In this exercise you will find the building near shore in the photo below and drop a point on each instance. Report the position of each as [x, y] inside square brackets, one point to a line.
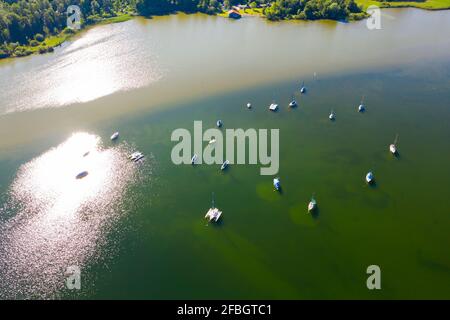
[234, 14]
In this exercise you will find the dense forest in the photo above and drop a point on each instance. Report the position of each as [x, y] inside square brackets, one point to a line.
[26, 25]
[314, 9]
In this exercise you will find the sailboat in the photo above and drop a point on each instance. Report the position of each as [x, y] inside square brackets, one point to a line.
[276, 184]
[115, 136]
[370, 178]
[213, 213]
[332, 115]
[136, 156]
[303, 88]
[249, 105]
[362, 107]
[393, 146]
[225, 165]
[273, 107]
[312, 205]
[194, 159]
[293, 103]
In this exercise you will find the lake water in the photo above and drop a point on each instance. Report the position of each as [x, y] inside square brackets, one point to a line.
[137, 231]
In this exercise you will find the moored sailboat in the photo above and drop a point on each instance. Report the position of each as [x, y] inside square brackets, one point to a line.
[370, 177]
[277, 184]
[213, 213]
[393, 146]
[312, 205]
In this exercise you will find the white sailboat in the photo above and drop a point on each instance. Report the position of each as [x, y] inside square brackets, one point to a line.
[303, 88]
[277, 184]
[249, 105]
[115, 136]
[362, 107]
[370, 178]
[194, 159]
[312, 205]
[213, 213]
[293, 103]
[393, 146]
[136, 156]
[273, 107]
[332, 115]
[225, 165]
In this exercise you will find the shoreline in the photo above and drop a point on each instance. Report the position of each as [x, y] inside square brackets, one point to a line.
[50, 43]
[424, 5]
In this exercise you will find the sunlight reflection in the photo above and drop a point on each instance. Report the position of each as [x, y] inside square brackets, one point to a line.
[61, 220]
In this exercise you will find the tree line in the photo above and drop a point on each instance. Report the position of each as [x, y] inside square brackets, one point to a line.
[27, 23]
[314, 10]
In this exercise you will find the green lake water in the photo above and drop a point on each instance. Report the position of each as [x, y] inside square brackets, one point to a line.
[137, 231]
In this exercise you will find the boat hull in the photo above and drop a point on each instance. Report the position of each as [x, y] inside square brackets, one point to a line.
[115, 136]
[277, 184]
[370, 178]
[393, 149]
[213, 214]
[273, 107]
[224, 165]
[81, 175]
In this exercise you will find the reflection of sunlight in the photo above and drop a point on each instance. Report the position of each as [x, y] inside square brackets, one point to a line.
[61, 220]
[103, 61]
[53, 175]
[99, 64]
[88, 80]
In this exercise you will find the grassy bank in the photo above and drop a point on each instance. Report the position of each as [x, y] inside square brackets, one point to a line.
[428, 4]
[116, 19]
[49, 43]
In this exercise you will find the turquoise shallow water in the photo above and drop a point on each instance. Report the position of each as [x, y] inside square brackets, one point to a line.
[137, 231]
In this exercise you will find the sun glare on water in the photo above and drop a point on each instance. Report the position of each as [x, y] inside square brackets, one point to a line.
[61, 220]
